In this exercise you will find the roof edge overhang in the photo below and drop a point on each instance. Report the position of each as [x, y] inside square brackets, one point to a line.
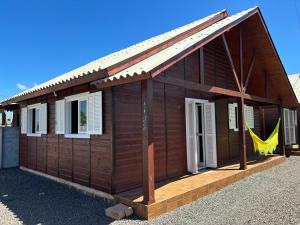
[122, 65]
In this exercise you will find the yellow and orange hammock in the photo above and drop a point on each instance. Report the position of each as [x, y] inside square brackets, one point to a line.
[268, 146]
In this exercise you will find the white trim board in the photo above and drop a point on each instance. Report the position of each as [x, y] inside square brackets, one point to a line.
[85, 190]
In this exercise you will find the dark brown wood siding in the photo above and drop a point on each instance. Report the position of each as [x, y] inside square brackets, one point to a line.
[83, 161]
[169, 119]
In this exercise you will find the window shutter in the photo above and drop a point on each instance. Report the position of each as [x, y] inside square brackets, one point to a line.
[95, 113]
[191, 145]
[210, 135]
[286, 126]
[292, 127]
[24, 120]
[60, 117]
[91, 106]
[250, 116]
[231, 116]
[43, 118]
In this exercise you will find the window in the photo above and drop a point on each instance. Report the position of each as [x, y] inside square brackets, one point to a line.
[290, 123]
[233, 116]
[249, 116]
[34, 120]
[83, 116]
[79, 115]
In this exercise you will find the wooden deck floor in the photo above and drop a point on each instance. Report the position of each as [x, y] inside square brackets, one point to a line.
[174, 193]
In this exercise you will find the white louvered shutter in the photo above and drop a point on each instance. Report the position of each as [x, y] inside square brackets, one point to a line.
[232, 116]
[286, 126]
[191, 145]
[23, 120]
[210, 135]
[250, 116]
[292, 127]
[95, 113]
[43, 118]
[60, 117]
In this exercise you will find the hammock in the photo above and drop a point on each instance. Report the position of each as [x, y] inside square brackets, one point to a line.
[268, 146]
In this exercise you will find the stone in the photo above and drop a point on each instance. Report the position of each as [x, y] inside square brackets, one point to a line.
[119, 211]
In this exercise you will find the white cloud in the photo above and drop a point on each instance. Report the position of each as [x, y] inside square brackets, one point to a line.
[35, 84]
[22, 87]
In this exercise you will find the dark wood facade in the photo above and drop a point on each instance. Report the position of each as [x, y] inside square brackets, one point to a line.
[84, 161]
[88, 161]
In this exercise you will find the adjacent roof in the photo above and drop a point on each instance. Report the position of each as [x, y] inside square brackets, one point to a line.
[144, 66]
[295, 82]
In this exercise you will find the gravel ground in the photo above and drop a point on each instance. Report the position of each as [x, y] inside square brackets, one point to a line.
[29, 199]
[270, 197]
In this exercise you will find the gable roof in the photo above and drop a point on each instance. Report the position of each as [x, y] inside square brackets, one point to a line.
[145, 65]
[143, 60]
[295, 82]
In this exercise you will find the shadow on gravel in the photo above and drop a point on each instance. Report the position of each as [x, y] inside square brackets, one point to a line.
[36, 200]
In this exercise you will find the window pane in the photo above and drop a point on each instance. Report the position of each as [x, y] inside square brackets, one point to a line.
[83, 116]
[37, 120]
[32, 121]
[74, 117]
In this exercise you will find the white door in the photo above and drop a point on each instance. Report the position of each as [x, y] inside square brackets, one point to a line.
[200, 141]
[200, 135]
[210, 134]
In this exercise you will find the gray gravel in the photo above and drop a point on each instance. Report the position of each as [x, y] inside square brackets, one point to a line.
[270, 197]
[29, 199]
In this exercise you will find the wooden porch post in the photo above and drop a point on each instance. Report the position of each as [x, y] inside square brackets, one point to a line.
[241, 113]
[242, 135]
[148, 145]
[281, 131]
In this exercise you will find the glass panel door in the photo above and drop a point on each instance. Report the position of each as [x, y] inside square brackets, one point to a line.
[200, 136]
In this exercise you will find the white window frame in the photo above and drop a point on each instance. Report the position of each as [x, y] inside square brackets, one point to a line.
[78, 97]
[236, 116]
[29, 126]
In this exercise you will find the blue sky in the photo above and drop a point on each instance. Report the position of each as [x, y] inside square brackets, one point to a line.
[43, 39]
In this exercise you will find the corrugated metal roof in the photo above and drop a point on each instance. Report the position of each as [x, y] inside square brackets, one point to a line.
[295, 82]
[154, 61]
[115, 57]
[146, 65]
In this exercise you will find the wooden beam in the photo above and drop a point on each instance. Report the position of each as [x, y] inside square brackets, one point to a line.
[202, 65]
[281, 131]
[112, 139]
[241, 56]
[242, 135]
[262, 122]
[231, 62]
[213, 89]
[249, 74]
[99, 84]
[148, 143]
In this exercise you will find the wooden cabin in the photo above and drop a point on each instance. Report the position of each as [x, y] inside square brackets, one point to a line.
[163, 108]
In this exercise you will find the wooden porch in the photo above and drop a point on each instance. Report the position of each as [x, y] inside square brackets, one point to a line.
[171, 194]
